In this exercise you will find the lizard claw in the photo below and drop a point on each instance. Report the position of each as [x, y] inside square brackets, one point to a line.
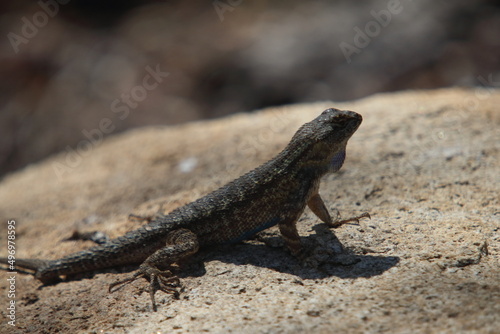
[146, 218]
[158, 280]
[122, 283]
[139, 218]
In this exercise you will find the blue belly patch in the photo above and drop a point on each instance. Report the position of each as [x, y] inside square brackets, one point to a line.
[337, 161]
[248, 234]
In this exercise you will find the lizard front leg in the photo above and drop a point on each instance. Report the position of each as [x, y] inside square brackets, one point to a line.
[317, 206]
[180, 244]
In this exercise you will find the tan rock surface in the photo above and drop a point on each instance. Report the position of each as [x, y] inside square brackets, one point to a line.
[424, 164]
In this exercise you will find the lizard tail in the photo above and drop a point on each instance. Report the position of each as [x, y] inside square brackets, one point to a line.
[30, 264]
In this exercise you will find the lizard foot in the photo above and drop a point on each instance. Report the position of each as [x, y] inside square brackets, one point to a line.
[146, 218]
[356, 219]
[158, 280]
[137, 218]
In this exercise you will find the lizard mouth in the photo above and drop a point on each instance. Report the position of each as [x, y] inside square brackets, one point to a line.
[349, 118]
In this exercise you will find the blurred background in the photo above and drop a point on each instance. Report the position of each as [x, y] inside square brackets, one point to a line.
[76, 71]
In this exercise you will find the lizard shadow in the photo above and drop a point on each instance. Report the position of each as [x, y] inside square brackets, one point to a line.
[325, 257]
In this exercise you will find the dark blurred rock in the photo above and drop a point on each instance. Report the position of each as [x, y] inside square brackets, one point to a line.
[67, 76]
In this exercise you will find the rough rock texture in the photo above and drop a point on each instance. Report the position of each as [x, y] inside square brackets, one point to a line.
[424, 164]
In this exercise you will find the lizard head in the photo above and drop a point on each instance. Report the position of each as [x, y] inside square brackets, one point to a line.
[323, 140]
[334, 125]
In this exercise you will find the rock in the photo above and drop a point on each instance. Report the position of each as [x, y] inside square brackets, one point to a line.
[423, 163]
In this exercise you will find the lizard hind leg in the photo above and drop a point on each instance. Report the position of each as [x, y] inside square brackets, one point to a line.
[181, 243]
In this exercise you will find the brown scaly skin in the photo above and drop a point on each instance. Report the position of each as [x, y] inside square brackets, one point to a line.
[275, 193]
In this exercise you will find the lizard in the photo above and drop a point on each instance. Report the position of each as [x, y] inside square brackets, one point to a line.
[275, 193]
